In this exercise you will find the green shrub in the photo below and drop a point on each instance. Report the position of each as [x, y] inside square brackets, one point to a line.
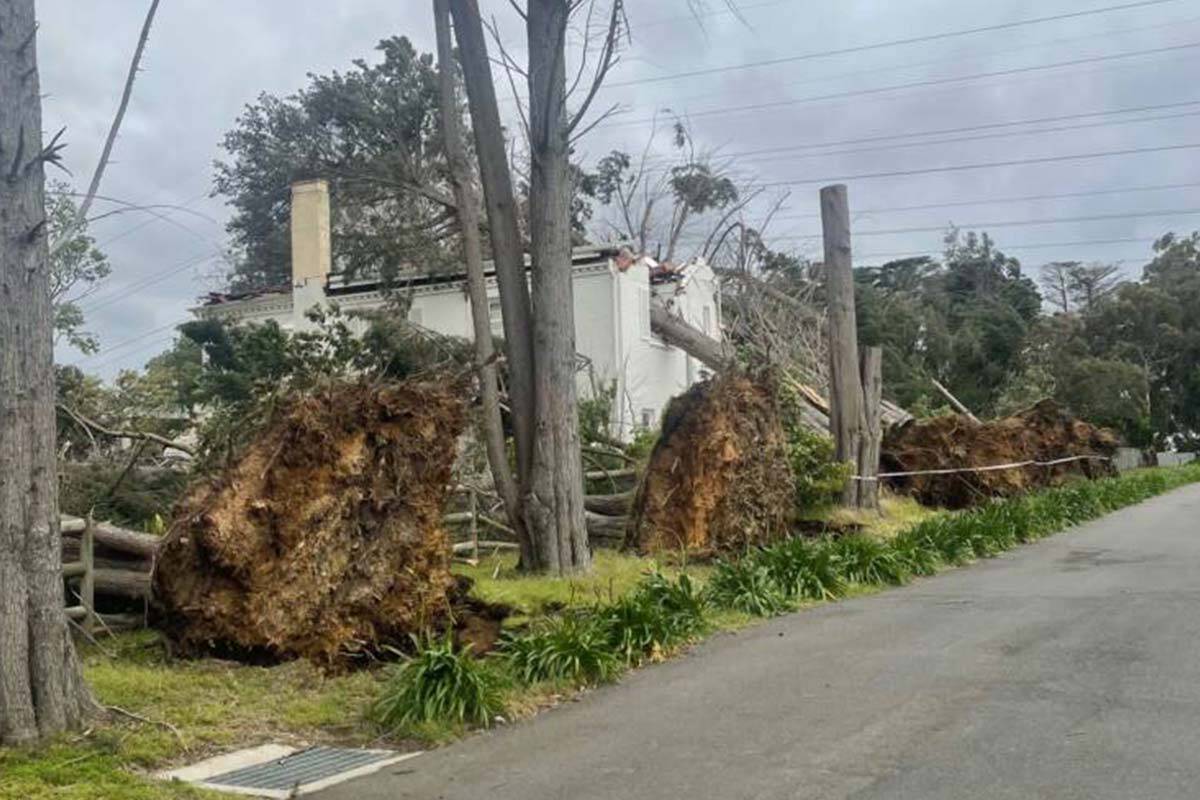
[917, 552]
[867, 560]
[440, 684]
[652, 619]
[818, 476]
[803, 568]
[747, 586]
[574, 647]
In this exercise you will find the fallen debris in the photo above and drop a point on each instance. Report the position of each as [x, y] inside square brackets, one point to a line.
[324, 539]
[718, 479]
[1042, 433]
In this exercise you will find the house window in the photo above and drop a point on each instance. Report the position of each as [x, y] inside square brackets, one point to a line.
[495, 316]
[415, 316]
[708, 320]
[648, 418]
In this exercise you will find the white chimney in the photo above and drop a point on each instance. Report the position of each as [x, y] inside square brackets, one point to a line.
[312, 256]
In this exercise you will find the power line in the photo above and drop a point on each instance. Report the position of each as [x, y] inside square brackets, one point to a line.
[133, 340]
[890, 43]
[893, 68]
[1038, 246]
[137, 287]
[983, 165]
[1003, 200]
[1017, 223]
[916, 84]
[961, 129]
[153, 343]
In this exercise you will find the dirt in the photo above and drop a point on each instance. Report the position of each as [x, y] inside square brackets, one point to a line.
[1043, 432]
[324, 539]
[718, 480]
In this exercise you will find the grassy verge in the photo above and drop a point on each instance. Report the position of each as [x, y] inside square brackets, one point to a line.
[569, 634]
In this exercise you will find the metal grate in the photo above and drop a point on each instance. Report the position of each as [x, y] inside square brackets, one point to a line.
[305, 767]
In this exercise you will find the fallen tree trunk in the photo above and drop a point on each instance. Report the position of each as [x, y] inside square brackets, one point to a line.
[612, 505]
[606, 530]
[690, 339]
[133, 584]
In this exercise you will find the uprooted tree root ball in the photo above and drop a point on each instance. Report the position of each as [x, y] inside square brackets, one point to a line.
[718, 479]
[1043, 432]
[323, 539]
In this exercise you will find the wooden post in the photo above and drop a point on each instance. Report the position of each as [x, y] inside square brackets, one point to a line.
[87, 586]
[474, 524]
[872, 440]
[845, 384]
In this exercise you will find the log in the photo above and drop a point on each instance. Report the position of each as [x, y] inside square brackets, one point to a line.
[121, 540]
[606, 530]
[123, 583]
[612, 505]
[954, 401]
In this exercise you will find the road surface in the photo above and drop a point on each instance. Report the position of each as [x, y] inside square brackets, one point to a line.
[1065, 669]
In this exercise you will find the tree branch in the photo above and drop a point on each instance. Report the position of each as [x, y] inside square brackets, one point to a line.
[81, 213]
[90, 424]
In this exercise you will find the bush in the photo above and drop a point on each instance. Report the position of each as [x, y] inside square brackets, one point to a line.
[803, 568]
[440, 684]
[817, 475]
[659, 615]
[747, 586]
[867, 560]
[574, 647]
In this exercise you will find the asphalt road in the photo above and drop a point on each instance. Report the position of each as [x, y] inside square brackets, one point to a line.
[1065, 669]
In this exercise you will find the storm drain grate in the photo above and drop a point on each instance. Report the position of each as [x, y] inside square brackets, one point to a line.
[276, 771]
[304, 767]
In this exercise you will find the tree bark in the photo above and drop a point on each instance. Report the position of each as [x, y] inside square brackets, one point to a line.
[714, 354]
[41, 688]
[508, 252]
[491, 422]
[845, 385]
[554, 504]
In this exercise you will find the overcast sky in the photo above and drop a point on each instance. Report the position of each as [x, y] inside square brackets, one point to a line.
[208, 58]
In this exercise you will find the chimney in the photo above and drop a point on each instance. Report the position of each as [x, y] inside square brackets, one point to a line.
[311, 252]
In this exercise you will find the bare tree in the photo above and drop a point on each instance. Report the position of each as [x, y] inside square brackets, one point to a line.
[467, 205]
[1091, 283]
[1056, 281]
[41, 687]
[552, 479]
[68, 233]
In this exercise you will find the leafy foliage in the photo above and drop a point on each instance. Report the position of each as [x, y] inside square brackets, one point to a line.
[440, 684]
[804, 568]
[574, 647]
[660, 614]
[748, 586]
[75, 267]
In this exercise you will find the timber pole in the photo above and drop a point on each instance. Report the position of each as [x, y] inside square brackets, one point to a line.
[872, 440]
[845, 385]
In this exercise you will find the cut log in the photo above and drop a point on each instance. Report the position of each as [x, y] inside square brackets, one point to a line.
[612, 505]
[121, 540]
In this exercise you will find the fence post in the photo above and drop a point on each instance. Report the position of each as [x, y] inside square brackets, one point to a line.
[872, 442]
[845, 383]
[87, 585]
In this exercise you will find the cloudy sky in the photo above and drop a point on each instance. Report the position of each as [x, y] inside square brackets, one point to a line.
[1113, 82]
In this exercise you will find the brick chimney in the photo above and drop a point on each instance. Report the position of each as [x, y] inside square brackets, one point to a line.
[312, 256]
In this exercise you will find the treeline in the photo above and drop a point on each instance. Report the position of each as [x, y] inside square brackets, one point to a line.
[1120, 352]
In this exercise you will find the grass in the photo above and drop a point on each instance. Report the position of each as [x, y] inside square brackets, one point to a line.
[215, 706]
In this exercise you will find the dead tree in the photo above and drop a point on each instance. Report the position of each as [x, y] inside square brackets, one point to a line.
[467, 202]
[41, 687]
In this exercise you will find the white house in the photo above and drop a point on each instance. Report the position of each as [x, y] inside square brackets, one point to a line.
[612, 293]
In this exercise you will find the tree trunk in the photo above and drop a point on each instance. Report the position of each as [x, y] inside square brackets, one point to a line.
[845, 385]
[507, 250]
[554, 505]
[714, 354]
[491, 423]
[41, 687]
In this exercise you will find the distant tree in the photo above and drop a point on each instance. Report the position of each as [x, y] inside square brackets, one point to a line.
[1091, 283]
[76, 264]
[1057, 282]
[372, 131]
